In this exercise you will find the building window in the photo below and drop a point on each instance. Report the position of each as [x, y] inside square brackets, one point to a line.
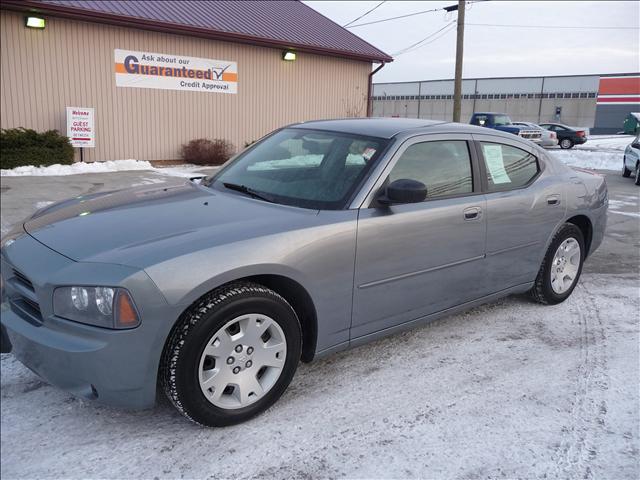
[483, 96]
[592, 95]
[504, 95]
[552, 95]
[575, 95]
[583, 95]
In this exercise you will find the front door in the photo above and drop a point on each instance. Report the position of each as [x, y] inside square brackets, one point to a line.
[420, 258]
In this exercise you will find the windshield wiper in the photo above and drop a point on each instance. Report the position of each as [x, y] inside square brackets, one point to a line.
[248, 191]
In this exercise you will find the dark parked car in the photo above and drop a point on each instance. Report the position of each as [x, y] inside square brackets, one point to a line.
[567, 136]
[321, 236]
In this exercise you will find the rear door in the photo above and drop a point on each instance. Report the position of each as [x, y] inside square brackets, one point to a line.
[524, 205]
[420, 258]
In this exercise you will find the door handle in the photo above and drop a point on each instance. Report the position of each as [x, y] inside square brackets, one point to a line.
[553, 199]
[472, 213]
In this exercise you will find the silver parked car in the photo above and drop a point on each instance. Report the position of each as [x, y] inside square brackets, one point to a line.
[547, 137]
[321, 236]
[631, 160]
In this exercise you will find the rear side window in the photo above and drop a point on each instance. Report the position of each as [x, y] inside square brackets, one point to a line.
[508, 167]
[444, 167]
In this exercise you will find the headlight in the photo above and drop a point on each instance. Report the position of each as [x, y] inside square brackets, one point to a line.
[101, 306]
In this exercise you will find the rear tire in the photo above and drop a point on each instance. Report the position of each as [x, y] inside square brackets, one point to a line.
[566, 143]
[626, 173]
[216, 367]
[561, 266]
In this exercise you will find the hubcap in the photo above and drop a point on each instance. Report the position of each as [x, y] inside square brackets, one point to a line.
[242, 361]
[565, 265]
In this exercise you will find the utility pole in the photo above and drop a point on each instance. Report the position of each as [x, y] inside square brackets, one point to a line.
[457, 91]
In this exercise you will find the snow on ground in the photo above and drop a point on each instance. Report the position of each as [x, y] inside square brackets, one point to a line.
[601, 152]
[589, 159]
[508, 390]
[99, 167]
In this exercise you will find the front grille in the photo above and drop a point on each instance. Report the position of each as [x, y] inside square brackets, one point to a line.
[22, 279]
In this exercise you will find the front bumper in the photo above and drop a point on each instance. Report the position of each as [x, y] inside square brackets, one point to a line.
[116, 367]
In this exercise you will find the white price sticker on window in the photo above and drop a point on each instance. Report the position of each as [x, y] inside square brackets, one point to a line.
[495, 164]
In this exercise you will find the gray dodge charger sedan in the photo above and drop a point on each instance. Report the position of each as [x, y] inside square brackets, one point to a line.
[321, 236]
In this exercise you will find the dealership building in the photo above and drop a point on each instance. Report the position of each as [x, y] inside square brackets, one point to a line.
[598, 102]
[145, 77]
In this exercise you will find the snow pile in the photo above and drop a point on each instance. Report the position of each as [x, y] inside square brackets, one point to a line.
[597, 160]
[607, 142]
[93, 167]
[601, 152]
[103, 167]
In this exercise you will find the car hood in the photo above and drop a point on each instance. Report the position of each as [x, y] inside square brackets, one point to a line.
[142, 226]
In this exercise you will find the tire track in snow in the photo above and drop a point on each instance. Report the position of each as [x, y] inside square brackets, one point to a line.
[579, 446]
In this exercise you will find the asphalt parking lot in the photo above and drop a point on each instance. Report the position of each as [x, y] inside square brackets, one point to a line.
[510, 389]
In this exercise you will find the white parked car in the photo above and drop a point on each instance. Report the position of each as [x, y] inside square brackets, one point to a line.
[547, 137]
[631, 160]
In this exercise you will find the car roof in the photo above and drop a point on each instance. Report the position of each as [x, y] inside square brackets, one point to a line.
[390, 127]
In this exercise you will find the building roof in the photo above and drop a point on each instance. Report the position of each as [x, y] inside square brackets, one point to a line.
[280, 24]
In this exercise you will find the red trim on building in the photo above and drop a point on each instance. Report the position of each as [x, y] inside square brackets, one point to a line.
[617, 86]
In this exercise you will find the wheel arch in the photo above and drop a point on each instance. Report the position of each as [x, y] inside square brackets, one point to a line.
[586, 227]
[289, 289]
[298, 297]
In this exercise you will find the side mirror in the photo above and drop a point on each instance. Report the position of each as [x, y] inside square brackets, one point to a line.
[635, 145]
[404, 190]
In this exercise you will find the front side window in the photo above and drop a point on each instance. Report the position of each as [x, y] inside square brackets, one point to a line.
[305, 168]
[443, 166]
[508, 167]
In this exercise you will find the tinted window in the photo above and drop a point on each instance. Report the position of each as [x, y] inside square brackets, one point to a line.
[444, 167]
[508, 167]
[305, 168]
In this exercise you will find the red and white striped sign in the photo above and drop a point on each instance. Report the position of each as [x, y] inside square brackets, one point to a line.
[619, 90]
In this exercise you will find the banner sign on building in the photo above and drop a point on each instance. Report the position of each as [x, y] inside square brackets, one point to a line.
[80, 127]
[174, 72]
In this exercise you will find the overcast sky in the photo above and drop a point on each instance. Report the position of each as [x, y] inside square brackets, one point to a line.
[499, 51]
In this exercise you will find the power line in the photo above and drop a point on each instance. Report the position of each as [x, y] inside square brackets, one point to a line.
[407, 15]
[395, 18]
[364, 14]
[416, 45]
[550, 26]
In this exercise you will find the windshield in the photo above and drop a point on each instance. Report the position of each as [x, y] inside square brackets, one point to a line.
[305, 168]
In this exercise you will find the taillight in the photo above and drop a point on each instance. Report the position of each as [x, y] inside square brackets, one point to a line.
[580, 133]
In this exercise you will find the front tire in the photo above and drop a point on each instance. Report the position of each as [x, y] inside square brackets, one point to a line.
[566, 143]
[561, 267]
[626, 173]
[637, 177]
[231, 355]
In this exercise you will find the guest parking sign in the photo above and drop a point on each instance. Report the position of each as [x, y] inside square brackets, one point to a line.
[80, 127]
